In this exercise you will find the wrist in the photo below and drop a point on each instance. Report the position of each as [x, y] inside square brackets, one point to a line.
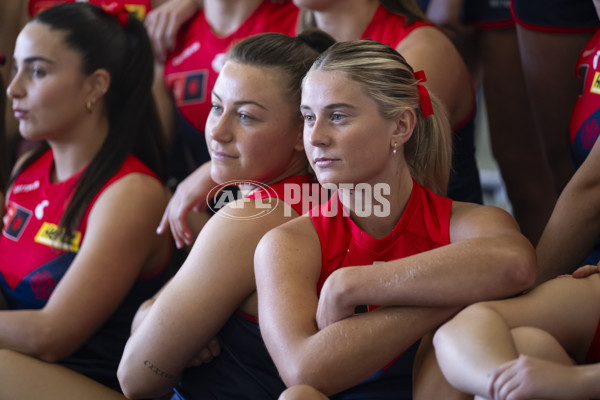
[343, 288]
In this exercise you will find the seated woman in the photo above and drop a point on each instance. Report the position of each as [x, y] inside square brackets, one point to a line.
[542, 345]
[254, 133]
[373, 131]
[545, 344]
[78, 251]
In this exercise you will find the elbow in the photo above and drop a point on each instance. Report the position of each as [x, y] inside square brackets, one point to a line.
[136, 384]
[132, 387]
[521, 269]
[51, 346]
[295, 374]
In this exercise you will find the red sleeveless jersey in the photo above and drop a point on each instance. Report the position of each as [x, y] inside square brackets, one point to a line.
[33, 254]
[139, 7]
[389, 28]
[192, 69]
[424, 225]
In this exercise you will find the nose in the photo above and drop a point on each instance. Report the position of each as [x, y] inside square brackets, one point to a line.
[316, 134]
[218, 127]
[15, 89]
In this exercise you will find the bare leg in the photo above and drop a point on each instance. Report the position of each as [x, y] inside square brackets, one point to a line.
[553, 88]
[24, 377]
[302, 392]
[428, 380]
[517, 148]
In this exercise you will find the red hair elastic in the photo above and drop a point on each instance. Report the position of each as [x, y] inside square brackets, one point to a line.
[118, 11]
[2, 59]
[424, 97]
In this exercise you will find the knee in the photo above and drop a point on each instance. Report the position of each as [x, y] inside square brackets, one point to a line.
[538, 343]
[302, 392]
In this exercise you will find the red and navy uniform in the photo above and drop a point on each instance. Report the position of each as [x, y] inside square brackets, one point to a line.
[424, 225]
[585, 118]
[139, 7]
[35, 255]
[244, 369]
[556, 16]
[465, 185]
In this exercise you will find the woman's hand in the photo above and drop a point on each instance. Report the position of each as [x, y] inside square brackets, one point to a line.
[163, 23]
[533, 378]
[207, 354]
[191, 194]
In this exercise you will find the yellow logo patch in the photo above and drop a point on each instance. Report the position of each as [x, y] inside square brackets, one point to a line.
[138, 9]
[596, 84]
[54, 236]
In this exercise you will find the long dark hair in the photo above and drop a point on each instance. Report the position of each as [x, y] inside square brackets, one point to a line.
[134, 128]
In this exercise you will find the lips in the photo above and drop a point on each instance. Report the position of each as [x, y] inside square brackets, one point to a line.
[323, 162]
[20, 113]
[218, 155]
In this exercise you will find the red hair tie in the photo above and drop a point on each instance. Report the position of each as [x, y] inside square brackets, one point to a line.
[424, 97]
[118, 11]
[2, 59]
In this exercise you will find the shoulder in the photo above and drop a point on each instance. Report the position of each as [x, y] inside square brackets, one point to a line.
[431, 43]
[298, 235]
[138, 194]
[245, 221]
[429, 34]
[474, 220]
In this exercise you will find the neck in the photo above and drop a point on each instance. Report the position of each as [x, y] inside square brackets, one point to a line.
[226, 16]
[346, 21]
[378, 209]
[78, 149]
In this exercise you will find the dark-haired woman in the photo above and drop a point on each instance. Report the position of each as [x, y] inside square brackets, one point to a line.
[78, 251]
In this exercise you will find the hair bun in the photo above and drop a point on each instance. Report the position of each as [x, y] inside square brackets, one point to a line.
[316, 39]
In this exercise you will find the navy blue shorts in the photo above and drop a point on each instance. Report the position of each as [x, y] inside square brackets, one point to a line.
[485, 14]
[488, 14]
[558, 16]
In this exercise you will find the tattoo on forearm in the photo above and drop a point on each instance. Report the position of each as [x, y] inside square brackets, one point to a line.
[157, 371]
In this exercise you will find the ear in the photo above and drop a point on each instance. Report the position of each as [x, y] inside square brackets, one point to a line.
[299, 143]
[98, 83]
[405, 125]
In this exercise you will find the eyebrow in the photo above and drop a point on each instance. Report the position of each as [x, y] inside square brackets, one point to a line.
[33, 59]
[330, 106]
[242, 102]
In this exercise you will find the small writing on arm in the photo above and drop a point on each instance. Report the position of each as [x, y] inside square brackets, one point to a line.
[157, 371]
